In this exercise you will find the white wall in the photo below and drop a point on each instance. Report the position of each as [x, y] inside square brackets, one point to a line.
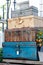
[1, 38]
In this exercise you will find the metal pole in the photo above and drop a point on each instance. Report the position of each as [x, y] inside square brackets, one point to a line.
[7, 12]
[3, 11]
[2, 27]
[3, 18]
[7, 9]
[14, 4]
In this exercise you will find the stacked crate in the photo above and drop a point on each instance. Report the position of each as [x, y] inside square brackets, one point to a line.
[19, 36]
[22, 34]
[19, 44]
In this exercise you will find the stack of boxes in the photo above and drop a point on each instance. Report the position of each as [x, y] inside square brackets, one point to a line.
[24, 10]
[20, 38]
[20, 44]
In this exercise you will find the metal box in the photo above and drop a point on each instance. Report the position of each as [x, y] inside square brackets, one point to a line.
[25, 12]
[24, 50]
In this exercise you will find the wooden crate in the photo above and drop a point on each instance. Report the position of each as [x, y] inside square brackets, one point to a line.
[22, 34]
[26, 21]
